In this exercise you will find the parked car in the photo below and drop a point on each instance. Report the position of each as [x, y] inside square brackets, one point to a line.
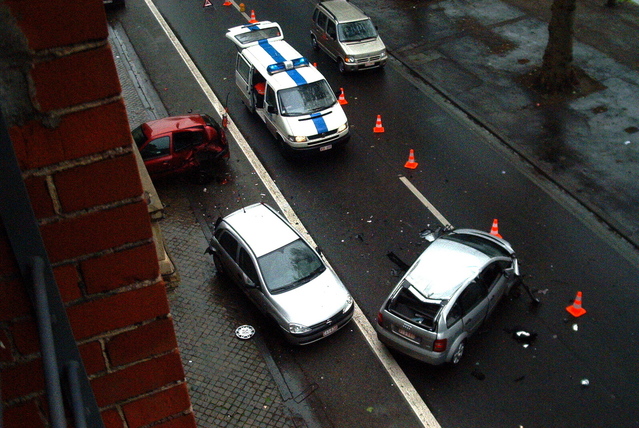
[443, 298]
[281, 273]
[347, 35]
[181, 144]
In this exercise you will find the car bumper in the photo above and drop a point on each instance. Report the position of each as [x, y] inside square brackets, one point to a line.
[364, 65]
[397, 343]
[315, 335]
[322, 146]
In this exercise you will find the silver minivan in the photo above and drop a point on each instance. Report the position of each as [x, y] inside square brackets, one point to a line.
[281, 273]
[445, 296]
[347, 35]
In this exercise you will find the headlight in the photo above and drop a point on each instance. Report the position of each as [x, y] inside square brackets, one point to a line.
[298, 328]
[348, 304]
[342, 128]
[383, 55]
[297, 138]
[349, 59]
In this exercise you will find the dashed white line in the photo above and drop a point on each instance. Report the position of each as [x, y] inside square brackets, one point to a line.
[424, 201]
[399, 378]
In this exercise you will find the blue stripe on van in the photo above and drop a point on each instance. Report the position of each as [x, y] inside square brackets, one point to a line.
[297, 78]
[320, 123]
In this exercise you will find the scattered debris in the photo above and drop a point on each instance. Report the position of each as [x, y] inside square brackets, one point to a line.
[585, 383]
[575, 327]
[524, 337]
[244, 332]
[478, 375]
[520, 378]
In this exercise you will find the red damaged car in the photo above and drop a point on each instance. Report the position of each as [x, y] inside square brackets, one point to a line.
[181, 144]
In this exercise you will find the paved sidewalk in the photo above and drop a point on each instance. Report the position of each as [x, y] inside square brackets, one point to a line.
[476, 54]
[230, 383]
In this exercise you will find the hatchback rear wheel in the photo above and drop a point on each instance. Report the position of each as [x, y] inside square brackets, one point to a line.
[219, 267]
[459, 352]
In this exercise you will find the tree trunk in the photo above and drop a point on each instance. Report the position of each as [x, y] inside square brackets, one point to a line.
[557, 74]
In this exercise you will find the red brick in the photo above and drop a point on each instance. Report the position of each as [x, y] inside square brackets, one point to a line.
[138, 379]
[99, 183]
[75, 79]
[53, 23]
[68, 280]
[96, 231]
[6, 355]
[25, 337]
[157, 406]
[118, 311]
[112, 419]
[155, 338]
[39, 195]
[15, 300]
[8, 264]
[185, 421]
[78, 134]
[115, 270]
[21, 379]
[25, 415]
[92, 357]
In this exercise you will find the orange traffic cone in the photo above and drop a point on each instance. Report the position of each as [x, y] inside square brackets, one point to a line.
[207, 3]
[494, 230]
[378, 125]
[575, 309]
[342, 98]
[252, 20]
[411, 164]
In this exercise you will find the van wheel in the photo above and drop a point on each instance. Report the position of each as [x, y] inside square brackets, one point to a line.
[341, 66]
[459, 352]
[314, 44]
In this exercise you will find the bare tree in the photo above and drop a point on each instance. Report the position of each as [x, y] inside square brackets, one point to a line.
[557, 73]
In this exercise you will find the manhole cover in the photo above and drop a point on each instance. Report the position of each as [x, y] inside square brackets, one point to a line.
[244, 332]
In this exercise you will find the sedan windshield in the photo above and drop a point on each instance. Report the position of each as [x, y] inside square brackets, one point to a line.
[356, 31]
[306, 99]
[290, 266]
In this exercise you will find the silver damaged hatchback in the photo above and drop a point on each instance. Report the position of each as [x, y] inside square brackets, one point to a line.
[448, 292]
[281, 273]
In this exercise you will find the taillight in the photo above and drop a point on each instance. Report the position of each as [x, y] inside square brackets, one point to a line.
[380, 319]
[440, 345]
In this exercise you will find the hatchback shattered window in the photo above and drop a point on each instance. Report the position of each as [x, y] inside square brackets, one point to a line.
[408, 306]
[290, 266]
[306, 99]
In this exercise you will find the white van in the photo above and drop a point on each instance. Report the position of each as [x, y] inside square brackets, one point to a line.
[286, 91]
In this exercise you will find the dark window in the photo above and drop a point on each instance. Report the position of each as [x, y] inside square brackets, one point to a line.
[331, 30]
[492, 273]
[156, 148]
[247, 266]
[243, 68]
[187, 140]
[228, 243]
[321, 20]
[471, 296]
[315, 15]
[454, 315]
[270, 97]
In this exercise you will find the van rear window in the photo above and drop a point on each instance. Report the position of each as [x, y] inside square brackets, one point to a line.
[254, 36]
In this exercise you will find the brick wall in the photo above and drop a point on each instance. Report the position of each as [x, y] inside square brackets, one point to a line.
[68, 125]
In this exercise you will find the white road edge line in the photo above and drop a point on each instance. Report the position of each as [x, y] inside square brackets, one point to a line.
[425, 201]
[406, 388]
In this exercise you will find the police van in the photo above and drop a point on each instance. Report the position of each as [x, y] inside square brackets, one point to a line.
[287, 92]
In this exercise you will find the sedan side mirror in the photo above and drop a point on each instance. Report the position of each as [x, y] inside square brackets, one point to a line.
[271, 109]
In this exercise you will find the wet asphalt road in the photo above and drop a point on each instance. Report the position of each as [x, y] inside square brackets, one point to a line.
[357, 209]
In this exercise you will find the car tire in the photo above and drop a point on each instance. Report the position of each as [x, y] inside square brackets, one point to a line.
[219, 267]
[341, 66]
[314, 44]
[458, 353]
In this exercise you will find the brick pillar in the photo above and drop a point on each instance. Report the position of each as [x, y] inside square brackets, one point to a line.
[69, 128]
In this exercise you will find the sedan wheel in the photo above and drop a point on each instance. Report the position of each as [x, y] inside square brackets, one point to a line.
[459, 352]
[314, 44]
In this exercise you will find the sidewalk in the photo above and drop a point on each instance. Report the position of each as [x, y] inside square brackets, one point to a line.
[230, 383]
[476, 52]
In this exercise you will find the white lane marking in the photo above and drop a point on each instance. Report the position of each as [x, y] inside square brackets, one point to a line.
[425, 201]
[399, 378]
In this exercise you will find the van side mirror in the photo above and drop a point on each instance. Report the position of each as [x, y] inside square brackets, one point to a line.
[272, 109]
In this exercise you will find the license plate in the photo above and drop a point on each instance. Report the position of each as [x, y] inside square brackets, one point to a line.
[330, 330]
[406, 333]
[326, 147]
[369, 64]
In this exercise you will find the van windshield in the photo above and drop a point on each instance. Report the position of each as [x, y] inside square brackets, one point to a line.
[356, 31]
[306, 99]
